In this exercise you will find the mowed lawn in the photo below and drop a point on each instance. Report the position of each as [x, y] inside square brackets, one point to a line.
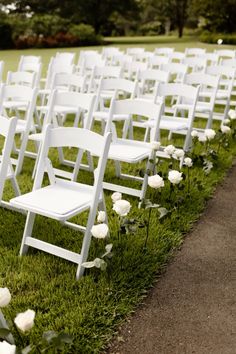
[91, 309]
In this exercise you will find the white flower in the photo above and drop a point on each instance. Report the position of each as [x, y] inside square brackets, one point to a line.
[170, 149]
[100, 231]
[225, 129]
[188, 162]
[25, 320]
[175, 177]
[156, 181]
[194, 134]
[5, 297]
[220, 41]
[226, 121]
[232, 114]
[155, 145]
[116, 196]
[210, 134]
[122, 207]
[101, 216]
[6, 348]
[178, 154]
[202, 138]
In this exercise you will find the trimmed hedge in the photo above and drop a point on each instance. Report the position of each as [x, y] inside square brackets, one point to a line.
[209, 37]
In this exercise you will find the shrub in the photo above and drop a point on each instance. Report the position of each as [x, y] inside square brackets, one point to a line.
[84, 34]
[208, 37]
[5, 36]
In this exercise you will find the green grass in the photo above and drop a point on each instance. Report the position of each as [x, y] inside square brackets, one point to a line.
[92, 308]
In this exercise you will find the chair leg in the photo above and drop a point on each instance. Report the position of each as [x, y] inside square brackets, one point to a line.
[117, 168]
[27, 232]
[15, 186]
[21, 154]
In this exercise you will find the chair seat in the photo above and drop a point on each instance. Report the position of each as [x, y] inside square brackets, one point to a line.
[59, 109]
[15, 104]
[129, 151]
[21, 126]
[60, 201]
[173, 123]
[103, 115]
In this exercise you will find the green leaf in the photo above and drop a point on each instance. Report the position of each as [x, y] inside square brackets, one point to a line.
[163, 212]
[4, 332]
[49, 336]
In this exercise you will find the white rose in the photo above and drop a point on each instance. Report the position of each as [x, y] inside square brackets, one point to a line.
[25, 320]
[101, 216]
[202, 138]
[6, 348]
[122, 207]
[156, 181]
[210, 134]
[225, 129]
[178, 154]
[232, 114]
[155, 145]
[194, 134]
[220, 41]
[226, 121]
[116, 196]
[5, 297]
[100, 231]
[170, 149]
[175, 177]
[188, 162]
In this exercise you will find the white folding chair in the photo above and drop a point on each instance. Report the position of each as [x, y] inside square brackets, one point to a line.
[196, 64]
[194, 52]
[176, 57]
[21, 78]
[156, 61]
[207, 95]
[68, 58]
[223, 95]
[131, 69]
[176, 70]
[148, 80]
[131, 151]
[226, 53]
[31, 64]
[67, 102]
[16, 98]
[212, 58]
[134, 50]
[115, 88]
[186, 99]
[61, 200]
[99, 72]
[166, 51]
[7, 131]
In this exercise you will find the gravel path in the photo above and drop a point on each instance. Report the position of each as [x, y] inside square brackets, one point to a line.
[192, 308]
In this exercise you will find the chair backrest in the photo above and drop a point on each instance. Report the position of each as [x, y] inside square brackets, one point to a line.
[163, 51]
[134, 50]
[228, 62]
[194, 51]
[71, 82]
[195, 63]
[21, 78]
[109, 52]
[224, 71]
[84, 140]
[77, 100]
[176, 57]
[28, 60]
[130, 107]
[33, 67]
[156, 61]
[121, 59]
[143, 57]
[212, 58]
[67, 57]
[103, 72]
[226, 53]
[149, 78]
[208, 83]
[133, 67]
[57, 66]
[82, 53]
[89, 61]
[176, 70]
[116, 86]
